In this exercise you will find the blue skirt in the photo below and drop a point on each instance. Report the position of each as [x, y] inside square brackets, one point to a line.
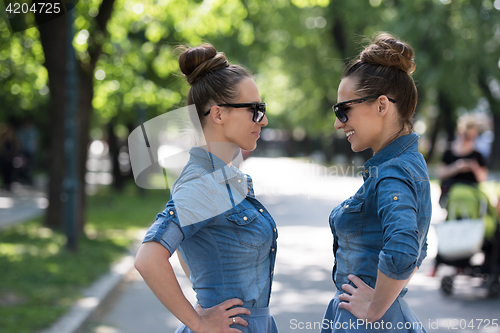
[259, 321]
[399, 318]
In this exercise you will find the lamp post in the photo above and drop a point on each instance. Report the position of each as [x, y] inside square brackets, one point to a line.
[71, 184]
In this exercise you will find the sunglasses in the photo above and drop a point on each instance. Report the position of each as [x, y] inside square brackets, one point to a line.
[342, 108]
[259, 109]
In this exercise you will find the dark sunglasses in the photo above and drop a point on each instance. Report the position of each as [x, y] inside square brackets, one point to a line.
[341, 109]
[259, 109]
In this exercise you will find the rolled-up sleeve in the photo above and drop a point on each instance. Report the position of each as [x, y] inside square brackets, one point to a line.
[166, 230]
[397, 204]
[423, 254]
[190, 208]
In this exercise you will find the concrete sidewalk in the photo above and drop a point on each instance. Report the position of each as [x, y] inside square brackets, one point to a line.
[21, 204]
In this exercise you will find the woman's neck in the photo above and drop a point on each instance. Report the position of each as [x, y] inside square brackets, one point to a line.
[223, 150]
[219, 146]
[401, 132]
[462, 147]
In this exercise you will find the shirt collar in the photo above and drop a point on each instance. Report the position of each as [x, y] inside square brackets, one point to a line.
[392, 150]
[210, 162]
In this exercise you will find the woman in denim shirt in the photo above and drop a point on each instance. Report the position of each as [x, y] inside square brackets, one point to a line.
[379, 233]
[225, 236]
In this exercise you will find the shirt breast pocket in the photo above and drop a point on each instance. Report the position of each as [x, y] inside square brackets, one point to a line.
[249, 227]
[349, 221]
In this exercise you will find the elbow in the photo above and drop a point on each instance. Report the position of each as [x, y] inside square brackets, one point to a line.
[140, 263]
[397, 267]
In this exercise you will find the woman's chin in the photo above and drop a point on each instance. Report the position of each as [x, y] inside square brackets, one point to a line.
[249, 146]
[357, 148]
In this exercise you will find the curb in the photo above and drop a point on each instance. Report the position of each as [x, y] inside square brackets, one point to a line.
[95, 295]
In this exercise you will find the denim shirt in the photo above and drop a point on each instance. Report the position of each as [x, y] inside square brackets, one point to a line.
[226, 236]
[384, 225]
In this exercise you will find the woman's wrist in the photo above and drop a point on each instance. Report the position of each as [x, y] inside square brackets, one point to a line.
[197, 327]
[373, 314]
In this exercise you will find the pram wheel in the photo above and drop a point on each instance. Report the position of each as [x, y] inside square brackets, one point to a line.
[447, 285]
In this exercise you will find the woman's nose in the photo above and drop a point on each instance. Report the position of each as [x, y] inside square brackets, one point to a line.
[338, 125]
[264, 121]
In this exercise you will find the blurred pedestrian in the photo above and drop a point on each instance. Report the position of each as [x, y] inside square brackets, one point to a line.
[462, 163]
[226, 238]
[380, 233]
[8, 151]
[27, 136]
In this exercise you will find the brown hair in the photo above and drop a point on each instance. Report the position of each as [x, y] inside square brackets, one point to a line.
[384, 68]
[213, 80]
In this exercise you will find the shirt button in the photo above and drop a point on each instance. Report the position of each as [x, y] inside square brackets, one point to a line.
[346, 206]
[366, 171]
[395, 198]
[272, 250]
[261, 210]
[274, 229]
[272, 272]
[239, 180]
[171, 213]
[245, 218]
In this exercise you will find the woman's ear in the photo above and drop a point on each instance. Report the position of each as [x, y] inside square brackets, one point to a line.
[216, 114]
[383, 105]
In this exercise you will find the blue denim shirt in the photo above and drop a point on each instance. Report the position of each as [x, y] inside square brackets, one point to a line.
[226, 236]
[384, 225]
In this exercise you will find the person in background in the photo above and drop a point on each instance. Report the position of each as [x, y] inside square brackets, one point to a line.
[462, 163]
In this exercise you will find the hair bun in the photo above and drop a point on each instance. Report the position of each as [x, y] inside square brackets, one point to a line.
[388, 51]
[198, 61]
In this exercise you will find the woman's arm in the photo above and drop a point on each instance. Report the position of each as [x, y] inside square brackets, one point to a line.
[152, 262]
[371, 304]
[481, 172]
[184, 266]
[447, 171]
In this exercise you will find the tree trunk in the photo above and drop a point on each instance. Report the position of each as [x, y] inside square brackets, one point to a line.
[86, 95]
[114, 151]
[53, 39]
[494, 161]
[445, 119]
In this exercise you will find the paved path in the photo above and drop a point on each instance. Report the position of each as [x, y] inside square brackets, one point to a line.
[21, 204]
[300, 196]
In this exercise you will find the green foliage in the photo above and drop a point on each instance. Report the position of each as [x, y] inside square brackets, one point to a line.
[296, 48]
[23, 80]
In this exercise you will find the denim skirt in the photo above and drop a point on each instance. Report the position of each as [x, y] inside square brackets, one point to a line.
[399, 318]
[259, 321]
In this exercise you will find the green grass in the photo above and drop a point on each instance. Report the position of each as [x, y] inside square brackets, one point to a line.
[40, 279]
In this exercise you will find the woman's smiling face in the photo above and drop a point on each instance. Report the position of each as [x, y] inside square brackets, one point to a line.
[363, 127]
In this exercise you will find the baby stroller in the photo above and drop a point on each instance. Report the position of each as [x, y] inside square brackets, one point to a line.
[471, 226]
